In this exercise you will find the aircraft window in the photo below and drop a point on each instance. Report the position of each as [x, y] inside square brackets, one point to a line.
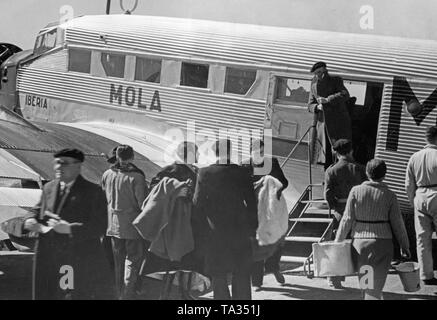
[194, 75]
[239, 81]
[45, 42]
[148, 70]
[113, 64]
[356, 89]
[292, 91]
[79, 60]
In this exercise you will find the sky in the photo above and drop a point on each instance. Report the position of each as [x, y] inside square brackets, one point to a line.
[20, 20]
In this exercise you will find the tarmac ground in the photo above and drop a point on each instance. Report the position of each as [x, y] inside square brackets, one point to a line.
[16, 270]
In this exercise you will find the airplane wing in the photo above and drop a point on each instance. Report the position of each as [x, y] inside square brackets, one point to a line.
[34, 146]
[159, 148]
[26, 157]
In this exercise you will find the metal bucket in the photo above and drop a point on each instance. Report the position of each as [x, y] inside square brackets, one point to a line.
[409, 274]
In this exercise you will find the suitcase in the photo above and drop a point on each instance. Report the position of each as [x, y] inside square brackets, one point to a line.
[333, 259]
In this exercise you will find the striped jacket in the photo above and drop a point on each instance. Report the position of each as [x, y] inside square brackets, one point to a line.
[372, 212]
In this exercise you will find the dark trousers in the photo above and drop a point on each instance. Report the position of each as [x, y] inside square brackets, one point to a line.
[241, 288]
[330, 158]
[270, 265]
[129, 255]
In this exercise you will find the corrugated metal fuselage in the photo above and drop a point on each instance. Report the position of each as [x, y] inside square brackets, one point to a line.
[404, 68]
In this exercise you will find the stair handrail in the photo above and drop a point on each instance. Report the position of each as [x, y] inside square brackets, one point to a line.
[295, 147]
[310, 176]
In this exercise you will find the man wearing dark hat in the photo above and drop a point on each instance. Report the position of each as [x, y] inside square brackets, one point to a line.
[225, 198]
[125, 187]
[328, 101]
[70, 219]
[339, 180]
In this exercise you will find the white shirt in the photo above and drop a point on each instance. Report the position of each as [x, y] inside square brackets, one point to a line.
[65, 187]
[421, 171]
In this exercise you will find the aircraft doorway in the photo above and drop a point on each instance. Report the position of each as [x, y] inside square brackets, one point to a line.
[364, 115]
[290, 117]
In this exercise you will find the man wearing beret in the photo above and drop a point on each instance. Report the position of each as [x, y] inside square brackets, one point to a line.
[328, 101]
[70, 219]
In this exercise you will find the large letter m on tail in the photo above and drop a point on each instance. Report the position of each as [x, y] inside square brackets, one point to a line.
[402, 93]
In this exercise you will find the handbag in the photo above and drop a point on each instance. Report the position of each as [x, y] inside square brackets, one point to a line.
[333, 259]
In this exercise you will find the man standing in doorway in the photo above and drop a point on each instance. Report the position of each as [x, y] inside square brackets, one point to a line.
[421, 188]
[328, 101]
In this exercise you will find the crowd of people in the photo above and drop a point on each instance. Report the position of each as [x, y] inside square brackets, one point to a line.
[188, 220]
[212, 220]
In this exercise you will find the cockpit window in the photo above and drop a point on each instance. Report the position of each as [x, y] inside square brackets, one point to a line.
[113, 64]
[46, 41]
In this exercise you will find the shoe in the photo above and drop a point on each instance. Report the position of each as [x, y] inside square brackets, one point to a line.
[430, 282]
[335, 284]
[395, 263]
[279, 277]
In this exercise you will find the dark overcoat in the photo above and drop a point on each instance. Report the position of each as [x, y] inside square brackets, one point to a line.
[225, 198]
[81, 251]
[193, 260]
[334, 119]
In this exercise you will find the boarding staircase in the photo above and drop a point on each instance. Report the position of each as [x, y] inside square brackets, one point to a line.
[310, 220]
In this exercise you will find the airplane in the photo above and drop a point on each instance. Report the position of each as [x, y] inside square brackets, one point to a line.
[153, 81]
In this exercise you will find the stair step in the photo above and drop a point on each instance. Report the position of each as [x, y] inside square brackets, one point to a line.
[15, 253]
[302, 239]
[317, 185]
[314, 215]
[293, 259]
[318, 201]
[312, 210]
[319, 220]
